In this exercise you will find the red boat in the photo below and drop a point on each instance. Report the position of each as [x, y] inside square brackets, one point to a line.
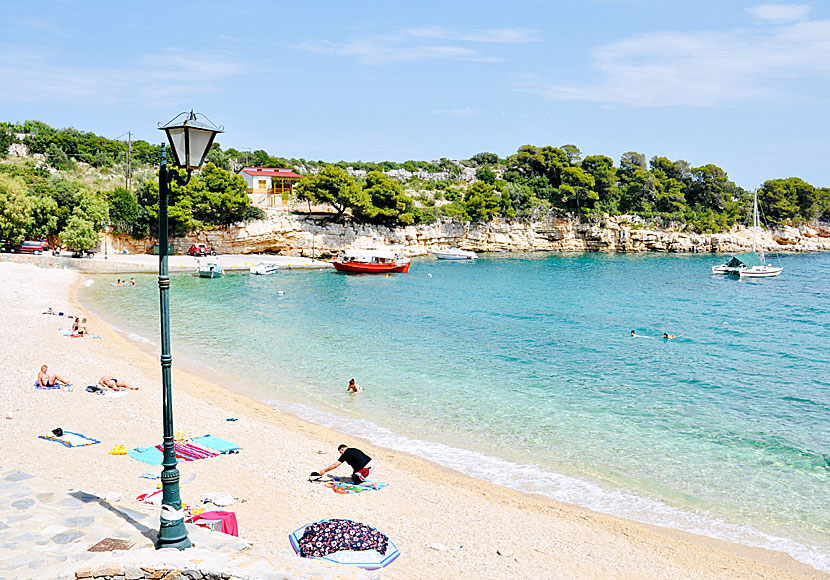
[371, 262]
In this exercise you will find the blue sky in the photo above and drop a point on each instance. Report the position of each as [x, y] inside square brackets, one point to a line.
[743, 85]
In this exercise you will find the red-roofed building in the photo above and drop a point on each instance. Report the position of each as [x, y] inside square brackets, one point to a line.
[270, 187]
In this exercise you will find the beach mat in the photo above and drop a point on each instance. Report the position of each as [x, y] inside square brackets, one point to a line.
[70, 439]
[149, 455]
[188, 452]
[344, 486]
[211, 442]
[39, 386]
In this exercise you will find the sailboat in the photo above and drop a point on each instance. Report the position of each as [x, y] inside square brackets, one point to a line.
[759, 270]
[750, 264]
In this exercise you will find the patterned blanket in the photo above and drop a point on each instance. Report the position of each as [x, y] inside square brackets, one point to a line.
[329, 536]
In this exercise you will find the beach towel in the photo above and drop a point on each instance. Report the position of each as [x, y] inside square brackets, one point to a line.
[71, 334]
[227, 519]
[70, 439]
[211, 442]
[149, 455]
[328, 536]
[188, 452]
[151, 497]
[39, 386]
[344, 488]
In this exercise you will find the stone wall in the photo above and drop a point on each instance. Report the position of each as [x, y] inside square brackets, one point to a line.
[304, 235]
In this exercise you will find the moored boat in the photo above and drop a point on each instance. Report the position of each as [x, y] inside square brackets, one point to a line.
[374, 261]
[210, 270]
[454, 254]
[264, 268]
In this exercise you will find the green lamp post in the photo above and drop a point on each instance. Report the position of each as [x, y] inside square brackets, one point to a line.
[190, 141]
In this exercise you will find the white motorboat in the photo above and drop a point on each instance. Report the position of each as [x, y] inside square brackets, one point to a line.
[454, 254]
[210, 270]
[264, 268]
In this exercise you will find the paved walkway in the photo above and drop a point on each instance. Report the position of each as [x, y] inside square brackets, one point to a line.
[46, 532]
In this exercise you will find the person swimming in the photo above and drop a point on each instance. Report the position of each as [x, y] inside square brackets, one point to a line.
[668, 336]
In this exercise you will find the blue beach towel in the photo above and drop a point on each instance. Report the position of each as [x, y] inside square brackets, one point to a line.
[39, 386]
[71, 439]
[149, 455]
[216, 444]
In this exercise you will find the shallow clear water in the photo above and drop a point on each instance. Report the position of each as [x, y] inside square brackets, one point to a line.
[527, 358]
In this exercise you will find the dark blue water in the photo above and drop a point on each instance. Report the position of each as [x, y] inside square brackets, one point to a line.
[527, 358]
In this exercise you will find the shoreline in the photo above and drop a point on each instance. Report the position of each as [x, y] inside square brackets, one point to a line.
[424, 504]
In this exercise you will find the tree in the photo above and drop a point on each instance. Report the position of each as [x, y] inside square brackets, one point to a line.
[389, 204]
[486, 175]
[710, 188]
[80, 234]
[334, 186]
[577, 186]
[57, 158]
[602, 169]
[124, 210]
[484, 158]
[43, 219]
[779, 198]
[15, 208]
[481, 202]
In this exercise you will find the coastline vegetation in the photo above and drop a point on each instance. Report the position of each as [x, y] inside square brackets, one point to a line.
[70, 187]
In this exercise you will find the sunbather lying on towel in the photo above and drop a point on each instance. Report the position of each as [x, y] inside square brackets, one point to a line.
[115, 384]
[45, 380]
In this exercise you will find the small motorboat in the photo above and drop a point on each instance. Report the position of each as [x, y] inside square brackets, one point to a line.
[454, 254]
[210, 270]
[264, 268]
[374, 261]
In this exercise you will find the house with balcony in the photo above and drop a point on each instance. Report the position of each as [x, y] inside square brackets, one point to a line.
[268, 187]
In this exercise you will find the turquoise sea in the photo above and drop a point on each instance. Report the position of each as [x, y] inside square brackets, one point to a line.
[519, 369]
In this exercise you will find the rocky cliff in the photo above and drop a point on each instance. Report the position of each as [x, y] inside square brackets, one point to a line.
[299, 235]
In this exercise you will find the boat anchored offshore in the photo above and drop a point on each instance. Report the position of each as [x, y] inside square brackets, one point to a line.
[454, 254]
[264, 268]
[752, 264]
[374, 261]
[210, 270]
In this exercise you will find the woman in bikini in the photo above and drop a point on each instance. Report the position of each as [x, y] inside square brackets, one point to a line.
[115, 384]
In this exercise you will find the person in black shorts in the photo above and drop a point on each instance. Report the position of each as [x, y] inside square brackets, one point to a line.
[360, 463]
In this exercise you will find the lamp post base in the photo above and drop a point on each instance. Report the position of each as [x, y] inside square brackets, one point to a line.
[173, 534]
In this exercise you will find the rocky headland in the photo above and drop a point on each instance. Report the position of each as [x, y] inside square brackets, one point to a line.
[309, 235]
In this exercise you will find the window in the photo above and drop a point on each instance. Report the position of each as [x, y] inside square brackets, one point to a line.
[262, 183]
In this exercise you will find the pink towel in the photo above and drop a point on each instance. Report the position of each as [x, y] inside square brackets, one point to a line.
[188, 452]
[228, 521]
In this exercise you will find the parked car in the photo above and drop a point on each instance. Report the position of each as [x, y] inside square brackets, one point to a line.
[201, 250]
[28, 247]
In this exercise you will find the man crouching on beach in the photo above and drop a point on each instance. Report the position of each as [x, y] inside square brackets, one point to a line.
[360, 463]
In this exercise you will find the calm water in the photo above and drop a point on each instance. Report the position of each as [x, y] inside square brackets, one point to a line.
[520, 369]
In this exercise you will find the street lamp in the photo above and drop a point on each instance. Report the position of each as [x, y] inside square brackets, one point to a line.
[190, 140]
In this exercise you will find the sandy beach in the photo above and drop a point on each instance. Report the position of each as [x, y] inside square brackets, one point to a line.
[446, 524]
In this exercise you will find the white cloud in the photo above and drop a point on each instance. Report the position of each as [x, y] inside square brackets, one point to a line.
[701, 68]
[417, 44]
[153, 79]
[780, 13]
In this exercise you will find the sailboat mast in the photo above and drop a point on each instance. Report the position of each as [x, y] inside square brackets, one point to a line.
[754, 220]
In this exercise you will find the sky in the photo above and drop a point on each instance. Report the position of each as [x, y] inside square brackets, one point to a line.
[742, 85]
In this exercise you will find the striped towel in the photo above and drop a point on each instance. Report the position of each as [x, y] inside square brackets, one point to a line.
[188, 452]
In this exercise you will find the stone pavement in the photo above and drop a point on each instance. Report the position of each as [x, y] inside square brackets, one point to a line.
[46, 532]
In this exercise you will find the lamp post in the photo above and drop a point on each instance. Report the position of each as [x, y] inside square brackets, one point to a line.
[190, 141]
